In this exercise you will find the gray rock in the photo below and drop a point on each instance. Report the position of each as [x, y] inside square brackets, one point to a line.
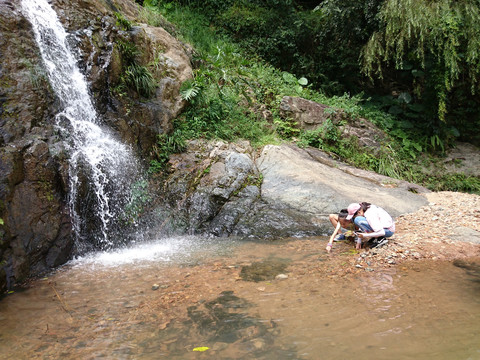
[285, 191]
[294, 178]
[465, 234]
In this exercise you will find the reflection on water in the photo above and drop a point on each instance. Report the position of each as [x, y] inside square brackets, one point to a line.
[103, 306]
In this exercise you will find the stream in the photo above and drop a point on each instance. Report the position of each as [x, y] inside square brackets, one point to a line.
[172, 298]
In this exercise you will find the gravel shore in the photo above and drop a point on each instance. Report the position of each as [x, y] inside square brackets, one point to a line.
[447, 228]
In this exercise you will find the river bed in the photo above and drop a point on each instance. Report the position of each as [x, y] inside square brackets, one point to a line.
[189, 298]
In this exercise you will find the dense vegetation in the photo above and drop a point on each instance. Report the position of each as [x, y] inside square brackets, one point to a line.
[354, 57]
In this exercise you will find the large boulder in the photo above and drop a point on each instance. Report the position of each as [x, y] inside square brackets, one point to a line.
[169, 63]
[310, 115]
[232, 190]
[306, 182]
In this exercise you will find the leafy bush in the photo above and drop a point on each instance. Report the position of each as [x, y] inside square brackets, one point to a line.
[164, 147]
[431, 49]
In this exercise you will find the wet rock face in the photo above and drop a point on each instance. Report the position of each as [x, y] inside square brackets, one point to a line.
[35, 228]
[36, 223]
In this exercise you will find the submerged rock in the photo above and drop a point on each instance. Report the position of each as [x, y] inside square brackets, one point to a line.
[268, 269]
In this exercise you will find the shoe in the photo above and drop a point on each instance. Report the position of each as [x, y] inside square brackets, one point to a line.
[339, 237]
[378, 242]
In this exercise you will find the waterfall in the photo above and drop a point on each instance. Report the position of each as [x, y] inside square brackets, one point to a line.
[101, 169]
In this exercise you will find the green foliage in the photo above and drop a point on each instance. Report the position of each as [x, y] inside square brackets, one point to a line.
[451, 182]
[386, 160]
[123, 22]
[325, 137]
[141, 79]
[434, 45]
[165, 146]
[189, 90]
[221, 102]
[134, 75]
[229, 91]
[139, 197]
[337, 45]
[128, 52]
[221, 119]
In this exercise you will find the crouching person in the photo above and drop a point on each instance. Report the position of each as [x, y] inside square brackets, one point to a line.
[339, 221]
[374, 223]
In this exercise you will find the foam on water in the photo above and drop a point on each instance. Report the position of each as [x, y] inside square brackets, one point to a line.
[174, 249]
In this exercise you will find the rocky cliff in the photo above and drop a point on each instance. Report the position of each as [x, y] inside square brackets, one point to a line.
[35, 227]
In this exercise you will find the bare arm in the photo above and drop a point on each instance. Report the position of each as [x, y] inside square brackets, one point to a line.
[372, 234]
[330, 241]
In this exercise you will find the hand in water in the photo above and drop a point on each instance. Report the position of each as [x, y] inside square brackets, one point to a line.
[329, 247]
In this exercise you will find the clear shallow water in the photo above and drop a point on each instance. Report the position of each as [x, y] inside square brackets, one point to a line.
[102, 306]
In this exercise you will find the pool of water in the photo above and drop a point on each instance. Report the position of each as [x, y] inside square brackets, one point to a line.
[173, 298]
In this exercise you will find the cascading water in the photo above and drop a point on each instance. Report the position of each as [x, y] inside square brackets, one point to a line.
[101, 168]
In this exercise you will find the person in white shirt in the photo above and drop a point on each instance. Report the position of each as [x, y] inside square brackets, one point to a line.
[375, 223]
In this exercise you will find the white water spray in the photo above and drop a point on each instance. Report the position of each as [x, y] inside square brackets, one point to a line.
[101, 168]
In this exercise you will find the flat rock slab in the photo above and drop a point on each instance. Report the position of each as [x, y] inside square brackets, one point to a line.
[293, 177]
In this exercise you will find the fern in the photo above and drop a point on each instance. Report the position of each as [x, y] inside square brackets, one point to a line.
[141, 79]
[189, 90]
[128, 51]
